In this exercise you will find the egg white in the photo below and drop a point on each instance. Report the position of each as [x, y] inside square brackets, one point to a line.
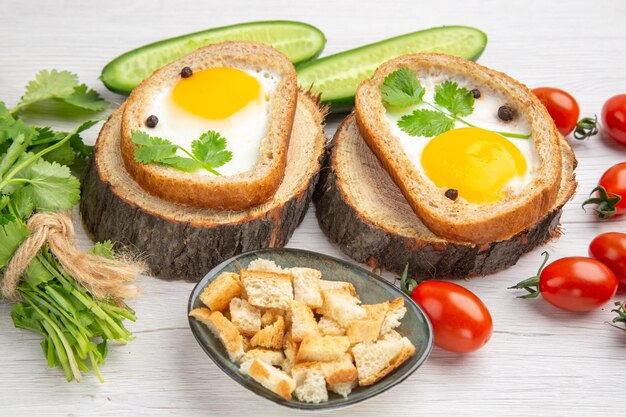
[485, 115]
[243, 130]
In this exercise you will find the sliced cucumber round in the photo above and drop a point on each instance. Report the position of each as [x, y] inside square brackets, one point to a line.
[300, 42]
[337, 76]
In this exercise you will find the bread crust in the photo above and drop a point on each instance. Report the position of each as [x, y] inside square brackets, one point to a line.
[234, 192]
[459, 220]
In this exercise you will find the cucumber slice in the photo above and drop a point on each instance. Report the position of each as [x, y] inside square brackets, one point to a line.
[337, 76]
[301, 42]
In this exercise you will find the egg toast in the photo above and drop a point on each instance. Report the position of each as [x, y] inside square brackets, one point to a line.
[473, 151]
[242, 92]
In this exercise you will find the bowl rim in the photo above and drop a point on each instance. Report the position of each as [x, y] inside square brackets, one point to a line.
[299, 404]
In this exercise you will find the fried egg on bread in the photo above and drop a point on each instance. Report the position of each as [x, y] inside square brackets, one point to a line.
[244, 91]
[490, 175]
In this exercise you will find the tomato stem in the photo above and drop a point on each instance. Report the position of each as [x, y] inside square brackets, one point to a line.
[606, 204]
[586, 128]
[621, 315]
[532, 284]
[407, 285]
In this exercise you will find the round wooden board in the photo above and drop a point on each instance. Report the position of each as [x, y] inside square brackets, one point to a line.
[180, 242]
[361, 209]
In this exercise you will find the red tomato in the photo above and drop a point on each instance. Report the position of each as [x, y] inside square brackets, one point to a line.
[461, 321]
[577, 283]
[614, 182]
[614, 118]
[562, 107]
[610, 249]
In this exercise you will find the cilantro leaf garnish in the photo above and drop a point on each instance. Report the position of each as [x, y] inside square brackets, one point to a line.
[401, 88]
[62, 86]
[423, 122]
[457, 100]
[208, 152]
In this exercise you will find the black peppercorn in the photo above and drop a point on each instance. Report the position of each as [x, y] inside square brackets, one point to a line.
[506, 113]
[152, 121]
[452, 194]
[476, 93]
[186, 72]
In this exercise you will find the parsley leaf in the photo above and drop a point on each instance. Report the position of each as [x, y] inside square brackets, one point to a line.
[182, 163]
[425, 123]
[63, 86]
[210, 149]
[12, 235]
[401, 88]
[104, 249]
[152, 148]
[457, 100]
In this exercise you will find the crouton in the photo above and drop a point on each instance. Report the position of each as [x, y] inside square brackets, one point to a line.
[306, 286]
[291, 351]
[245, 317]
[338, 285]
[310, 385]
[368, 328]
[396, 312]
[268, 289]
[374, 360]
[264, 265]
[217, 294]
[303, 322]
[270, 357]
[223, 329]
[342, 307]
[270, 315]
[324, 348]
[271, 336]
[271, 378]
[330, 327]
[344, 389]
[341, 370]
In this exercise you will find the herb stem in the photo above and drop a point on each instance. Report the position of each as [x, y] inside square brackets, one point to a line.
[205, 166]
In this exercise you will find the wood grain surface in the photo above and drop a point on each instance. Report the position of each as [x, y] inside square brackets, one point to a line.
[540, 361]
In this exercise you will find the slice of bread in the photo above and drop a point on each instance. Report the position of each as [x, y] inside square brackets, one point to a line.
[303, 322]
[395, 312]
[374, 360]
[341, 306]
[368, 328]
[270, 357]
[223, 329]
[306, 286]
[271, 336]
[268, 289]
[459, 220]
[232, 192]
[330, 327]
[322, 348]
[271, 378]
[245, 317]
[310, 385]
[224, 288]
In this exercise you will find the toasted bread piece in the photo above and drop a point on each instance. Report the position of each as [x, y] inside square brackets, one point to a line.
[217, 294]
[271, 336]
[228, 192]
[459, 220]
[395, 313]
[344, 389]
[303, 322]
[374, 360]
[368, 328]
[246, 317]
[290, 348]
[338, 371]
[310, 385]
[330, 327]
[265, 265]
[270, 315]
[271, 378]
[223, 329]
[323, 348]
[306, 286]
[342, 307]
[338, 285]
[270, 357]
[268, 289]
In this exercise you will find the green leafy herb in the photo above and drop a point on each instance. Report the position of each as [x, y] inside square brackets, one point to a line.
[426, 123]
[62, 86]
[457, 100]
[208, 152]
[401, 88]
[104, 249]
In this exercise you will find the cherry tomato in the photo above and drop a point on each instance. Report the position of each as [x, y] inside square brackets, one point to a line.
[461, 321]
[613, 182]
[577, 283]
[610, 249]
[562, 107]
[614, 118]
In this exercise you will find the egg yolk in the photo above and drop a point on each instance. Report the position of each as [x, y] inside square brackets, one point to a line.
[476, 162]
[216, 93]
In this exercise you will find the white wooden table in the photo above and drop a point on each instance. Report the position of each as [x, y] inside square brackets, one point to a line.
[540, 360]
